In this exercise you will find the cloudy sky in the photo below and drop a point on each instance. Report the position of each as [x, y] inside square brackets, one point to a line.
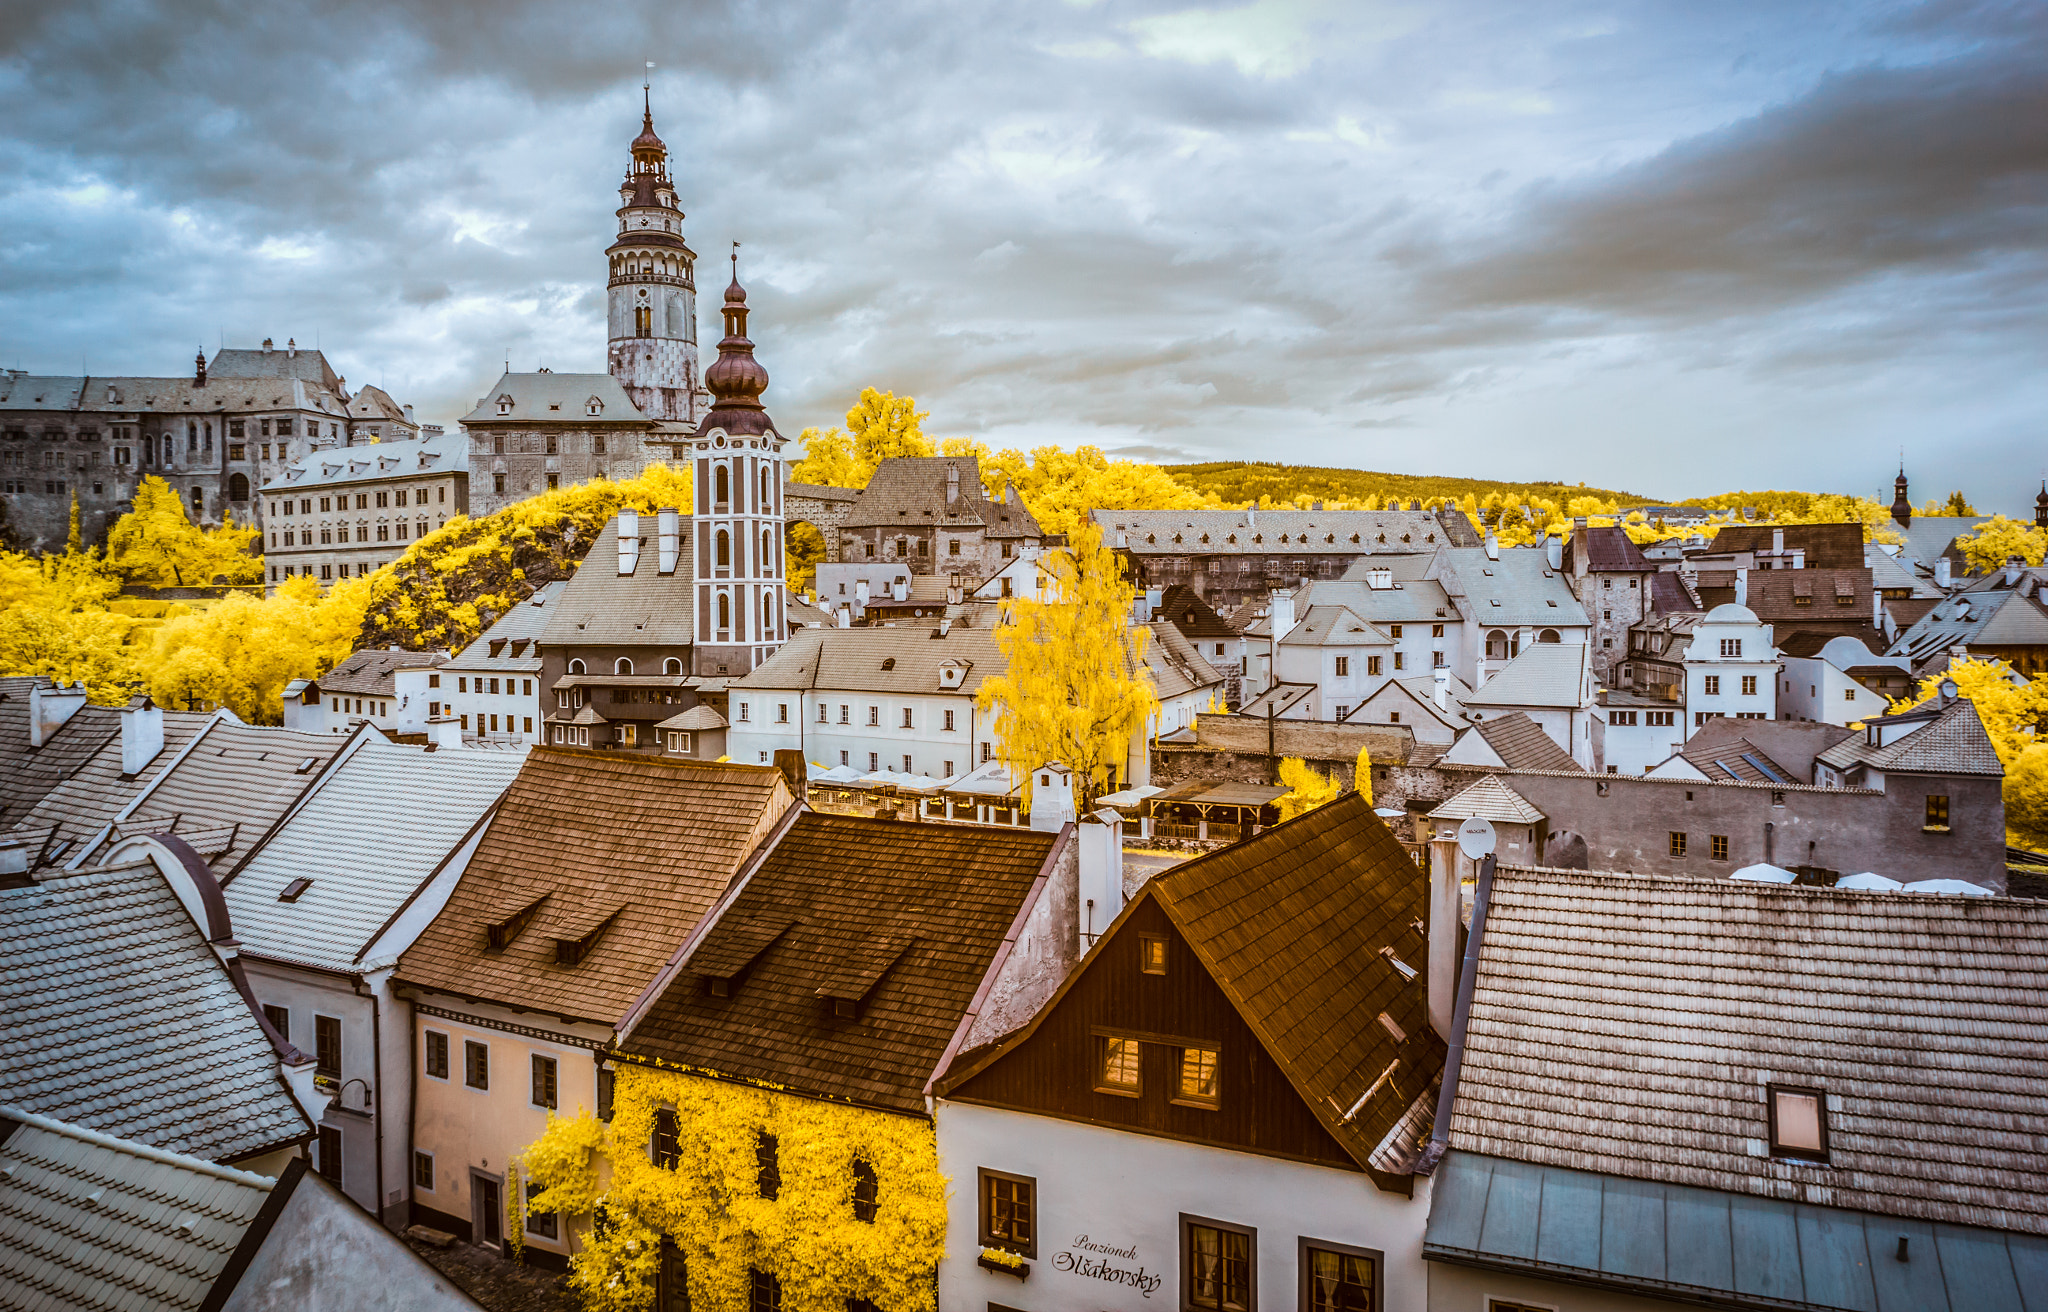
[1675, 248]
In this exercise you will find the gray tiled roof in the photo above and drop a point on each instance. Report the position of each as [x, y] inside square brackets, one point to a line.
[348, 465]
[306, 366]
[1953, 742]
[1490, 799]
[1628, 1025]
[133, 395]
[1272, 532]
[551, 398]
[910, 492]
[29, 774]
[850, 660]
[1176, 666]
[1788, 746]
[1518, 589]
[602, 607]
[1327, 626]
[369, 672]
[515, 635]
[1928, 536]
[1545, 674]
[1986, 612]
[379, 827]
[101, 1222]
[1410, 601]
[94, 792]
[120, 1018]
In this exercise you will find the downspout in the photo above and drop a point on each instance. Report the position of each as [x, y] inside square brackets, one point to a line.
[377, 1074]
[1454, 1054]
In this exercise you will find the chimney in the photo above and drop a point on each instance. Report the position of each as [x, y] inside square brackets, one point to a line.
[952, 484]
[142, 735]
[1446, 864]
[790, 761]
[445, 733]
[49, 707]
[199, 370]
[1251, 515]
[845, 614]
[860, 592]
[2015, 569]
[408, 415]
[1492, 545]
[1315, 506]
[1379, 580]
[1741, 586]
[266, 346]
[291, 348]
[900, 589]
[1553, 551]
[666, 519]
[1777, 541]
[1282, 616]
[1443, 689]
[1942, 576]
[629, 541]
[1101, 838]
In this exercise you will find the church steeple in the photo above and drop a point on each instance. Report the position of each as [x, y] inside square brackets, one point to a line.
[652, 298]
[1902, 506]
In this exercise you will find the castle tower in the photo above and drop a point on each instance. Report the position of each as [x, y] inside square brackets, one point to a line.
[738, 468]
[2041, 506]
[1902, 505]
[652, 297]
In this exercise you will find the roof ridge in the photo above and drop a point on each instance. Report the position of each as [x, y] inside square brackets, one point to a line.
[163, 1156]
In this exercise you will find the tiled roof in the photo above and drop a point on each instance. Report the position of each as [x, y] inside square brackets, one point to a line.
[1195, 618]
[1737, 758]
[120, 1018]
[1489, 799]
[1607, 550]
[369, 672]
[1521, 744]
[820, 491]
[1330, 626]
[1953, 742]
[1668, 594]
[1269, 916]
[1176, 667]
[1544, 674]
[1788, 747]
[232, 775]
[304, 365]
[700, 716]
[550, 398]
[602, 607]
[910, 492]
[1629, 1025]
[1273, 532]
[907, 919]
[95, 792]
[1827, 546]
[1831, 595]
[1519, 589]
[514, 636]
[123, 394]
[1889, 572]
[347, 465]
[99, 1222]
[658, 838]
[378, 828]
[29, 774]
[1929, 537]
[853, 660]
[1807, 642]
[373, 402]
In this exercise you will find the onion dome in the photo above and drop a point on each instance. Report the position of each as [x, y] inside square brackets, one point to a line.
[736, 379]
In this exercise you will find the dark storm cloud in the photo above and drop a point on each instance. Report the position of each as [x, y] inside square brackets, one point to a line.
[1459, 238]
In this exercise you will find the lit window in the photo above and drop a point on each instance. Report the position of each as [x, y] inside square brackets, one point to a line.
[1798, 1123]
[1152, 954]
[1009, 1212]
[1216, 1265]
[1677, 843]
[1342, 1279]
[1937, 811]
[1120, 1069]
[1199, 1078]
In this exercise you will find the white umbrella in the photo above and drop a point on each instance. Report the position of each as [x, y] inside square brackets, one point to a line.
[1765, 873]
[1961, 886]
[1869, 883]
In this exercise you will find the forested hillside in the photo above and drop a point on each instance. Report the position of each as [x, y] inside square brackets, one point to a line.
[1238, 482]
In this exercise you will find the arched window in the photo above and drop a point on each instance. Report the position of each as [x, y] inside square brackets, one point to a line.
[1548, 635]
[767, 488]
[576, 667]
[767, 550]
[643, 321]
[1496, 645]
[672, 666]
[722, 487]
[622, 665]
[723, 557]
[724, 612]
[238, 487]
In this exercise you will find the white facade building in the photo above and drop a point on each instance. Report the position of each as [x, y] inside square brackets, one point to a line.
[387, 688]
[1731, 668]
[1842, 683]
[492, 686]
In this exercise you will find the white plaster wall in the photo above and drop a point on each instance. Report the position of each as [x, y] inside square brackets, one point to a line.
[1129, 1190]
[1812, 689]
[459, 695]
[308, 993]
[928, 743]
[1635, 748]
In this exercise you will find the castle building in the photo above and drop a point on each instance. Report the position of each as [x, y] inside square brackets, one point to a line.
[215, 437]
[542, 430]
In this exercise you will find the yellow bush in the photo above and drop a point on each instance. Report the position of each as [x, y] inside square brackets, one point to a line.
[711, 1208]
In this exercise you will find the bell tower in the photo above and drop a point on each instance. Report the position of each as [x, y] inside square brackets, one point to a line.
[738, 468]
[651, 300]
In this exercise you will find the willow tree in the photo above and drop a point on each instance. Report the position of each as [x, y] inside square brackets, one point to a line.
[1076, 691]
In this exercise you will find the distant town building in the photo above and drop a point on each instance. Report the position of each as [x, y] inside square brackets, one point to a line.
[931, 514]
[340, 513]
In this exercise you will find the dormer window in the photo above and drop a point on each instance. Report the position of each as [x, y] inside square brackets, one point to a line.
[1798, 1122]
[506, 926]
[593, 407]
[504, 403]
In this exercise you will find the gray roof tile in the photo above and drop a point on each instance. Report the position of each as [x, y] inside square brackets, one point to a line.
[1953, 742]
[338, 466]
[601, 607]
[551, 398]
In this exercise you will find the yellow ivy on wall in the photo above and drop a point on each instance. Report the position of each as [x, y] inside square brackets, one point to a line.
[711, 1208]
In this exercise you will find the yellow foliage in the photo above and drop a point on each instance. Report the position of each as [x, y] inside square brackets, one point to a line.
[2012, 713]
[1362, 774]
[880, 425]
[1997, 538]
[1076, 688]
[710, 1204]
[241, 652]
[2026, 798]
[156, 542]
[1307, 788]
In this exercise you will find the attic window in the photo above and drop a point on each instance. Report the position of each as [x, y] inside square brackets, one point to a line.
[1798, 1122]
[889, 663]
[572, 951]
[292, 890]
[502, 931]
[304, 765]
[1406, 971]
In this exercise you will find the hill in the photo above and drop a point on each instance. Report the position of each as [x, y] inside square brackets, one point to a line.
[1237, 482]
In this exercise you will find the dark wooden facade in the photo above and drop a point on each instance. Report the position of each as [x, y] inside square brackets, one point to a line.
[1052, 1071]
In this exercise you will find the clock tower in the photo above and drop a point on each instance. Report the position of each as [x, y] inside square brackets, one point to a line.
[652, 294]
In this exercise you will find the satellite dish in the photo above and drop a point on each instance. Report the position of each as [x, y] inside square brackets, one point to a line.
[1475, 837]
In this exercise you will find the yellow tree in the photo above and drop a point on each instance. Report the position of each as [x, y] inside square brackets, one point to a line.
[1075, 690]
[2012, 713]
[157, 542]
[75, 543]
[1307, 788]
[2026, 798]
[1362, 774]
[880, 425]
[1997, 538]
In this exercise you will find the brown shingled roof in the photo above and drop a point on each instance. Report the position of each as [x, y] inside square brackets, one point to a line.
[1521, 744]
[903, 921]
[657, 839]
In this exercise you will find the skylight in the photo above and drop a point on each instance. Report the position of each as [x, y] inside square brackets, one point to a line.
[294, 889]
